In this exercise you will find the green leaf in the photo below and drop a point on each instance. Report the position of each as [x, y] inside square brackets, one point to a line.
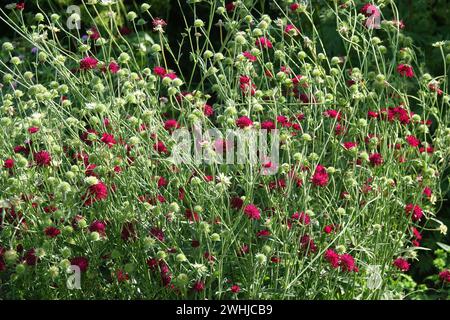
[444, 246]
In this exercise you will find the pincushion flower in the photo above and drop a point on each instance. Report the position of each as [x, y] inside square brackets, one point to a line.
[401, 264]
[113, 67]
[98, 226]
[249, 56]
[88, 63]
[294, 7]
[8, 163]
[412, 141]
[350, 145]
[308, 244]
[108, 139]
[376, 159]
[246, 85]
[320, 177]
[405, 70]
[171, 124]
[159, 24]
[415, 211]
[268, 125]
[347, 263]
[33, 130]
[160, 147]
[302, 217]
[96, 192]
[328, 229]
[370, 10]
[235, 288]
[86, 135]
[252, 212]
[332, 257]
[198, 286]
[20, 6]
[230, 6]
[80, 262]
[159, 71]
[263, 43]
[157, 233]
[244, 122]
[94, 34]
[208, 111]
[444, 276]
[427, 192]
[52, 232]
[42, 158]
[290, 29]
[30, 257]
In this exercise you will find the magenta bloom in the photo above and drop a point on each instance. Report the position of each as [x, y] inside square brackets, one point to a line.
[414, 210]
[412, 141]
[159, 71]
[113, 67]
[235, 288]
[98, 226]
[198, 286]
[170, 124]
[401, 264]
[157, 233]
[243, 122]
[376, 159]
[263, 42]
[160, 147]
[108, 139]
[8, 164]
[252, 212]
[96, 192]
[445, 276]
[291, 30]
[320, 177]
[332, 257]
[405, 70]
[52, 232]
[42, 158]
[208, 111]
[88, 63]
[349, 145]
[347, 263]
[249, 56]
[81, 262]
[370, 10]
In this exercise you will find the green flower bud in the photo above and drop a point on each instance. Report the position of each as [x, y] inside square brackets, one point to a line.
[161, 255]
[215, 237]
[131, 16]
[94, 236]
[340, 249]
[182, 279]
[145, 7]
[149, 242]
[198, 23]
[20, 268]
[7, 46]
[261, 258]
[306, 137]
[181, 257]
[10, 256]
